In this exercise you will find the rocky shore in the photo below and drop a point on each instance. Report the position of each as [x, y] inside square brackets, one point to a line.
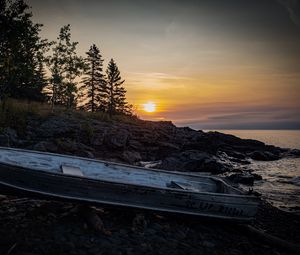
[135, 141]
[49, 227]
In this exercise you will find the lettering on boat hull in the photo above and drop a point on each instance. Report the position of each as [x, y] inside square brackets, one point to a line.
[209, 207]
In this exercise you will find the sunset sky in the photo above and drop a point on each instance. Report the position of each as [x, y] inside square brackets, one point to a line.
[213, 64]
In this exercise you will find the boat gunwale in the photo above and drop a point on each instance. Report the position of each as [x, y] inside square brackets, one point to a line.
[254, 199]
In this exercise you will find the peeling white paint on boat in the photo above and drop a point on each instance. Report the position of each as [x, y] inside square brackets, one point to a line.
[99, 170]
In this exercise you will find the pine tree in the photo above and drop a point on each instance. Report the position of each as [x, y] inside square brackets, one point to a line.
[94, 84]
[65, 66]
[20, 47]
[116, 92]
[40, 82]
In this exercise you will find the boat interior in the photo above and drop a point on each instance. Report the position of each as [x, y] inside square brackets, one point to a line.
[112, 172]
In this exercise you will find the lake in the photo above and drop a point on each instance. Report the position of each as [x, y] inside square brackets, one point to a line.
[281, 178]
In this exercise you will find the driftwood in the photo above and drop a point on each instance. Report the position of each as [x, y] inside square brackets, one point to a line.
[69, 210]
[272, 240]
[11, 249]
[21, 200]
[92, 219]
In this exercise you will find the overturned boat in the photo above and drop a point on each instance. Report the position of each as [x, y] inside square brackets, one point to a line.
[32, 173]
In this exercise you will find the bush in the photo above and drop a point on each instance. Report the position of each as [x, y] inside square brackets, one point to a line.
[14, 113]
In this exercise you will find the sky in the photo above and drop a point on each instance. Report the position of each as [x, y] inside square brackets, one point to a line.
[207, 64]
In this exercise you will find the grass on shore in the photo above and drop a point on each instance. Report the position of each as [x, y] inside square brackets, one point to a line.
[15, 114]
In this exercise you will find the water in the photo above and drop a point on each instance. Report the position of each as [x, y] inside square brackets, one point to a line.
[280, 138]
[281, 178]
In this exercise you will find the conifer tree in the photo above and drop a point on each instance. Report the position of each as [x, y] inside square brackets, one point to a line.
[116, 93]
[21, 48]
[94, 84]
[40, 81]
[65, 66]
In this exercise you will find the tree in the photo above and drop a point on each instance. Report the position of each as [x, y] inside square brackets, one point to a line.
[115, 91]
[65, 66]
[94, 84]
[21, 52]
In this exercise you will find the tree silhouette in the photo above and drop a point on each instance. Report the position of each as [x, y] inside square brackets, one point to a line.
[94, 84]
[21, 52]
[23, 73]
[65, 66]
[115, 91]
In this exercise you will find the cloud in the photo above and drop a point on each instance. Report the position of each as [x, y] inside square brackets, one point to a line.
[291, 6]
[240, 117]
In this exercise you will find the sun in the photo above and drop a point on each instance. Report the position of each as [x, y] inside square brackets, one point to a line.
[149, 107]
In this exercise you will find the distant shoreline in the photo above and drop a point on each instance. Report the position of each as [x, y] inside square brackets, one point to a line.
[281, 138]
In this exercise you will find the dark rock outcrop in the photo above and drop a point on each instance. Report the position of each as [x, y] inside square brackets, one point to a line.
[193, 161]
[9, 137]
[244, 178]
[177, 148]
[4, 140]
[263, 155]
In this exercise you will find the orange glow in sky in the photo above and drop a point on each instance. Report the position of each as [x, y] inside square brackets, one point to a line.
[204, 64]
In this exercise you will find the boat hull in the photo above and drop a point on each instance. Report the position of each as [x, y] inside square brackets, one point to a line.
[26, 181]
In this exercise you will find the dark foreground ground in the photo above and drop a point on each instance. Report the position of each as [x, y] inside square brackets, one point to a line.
[48, 227]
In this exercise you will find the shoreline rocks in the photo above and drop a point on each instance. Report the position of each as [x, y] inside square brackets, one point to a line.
[177, 148]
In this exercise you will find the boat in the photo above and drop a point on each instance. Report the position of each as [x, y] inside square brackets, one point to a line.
[76, 179]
